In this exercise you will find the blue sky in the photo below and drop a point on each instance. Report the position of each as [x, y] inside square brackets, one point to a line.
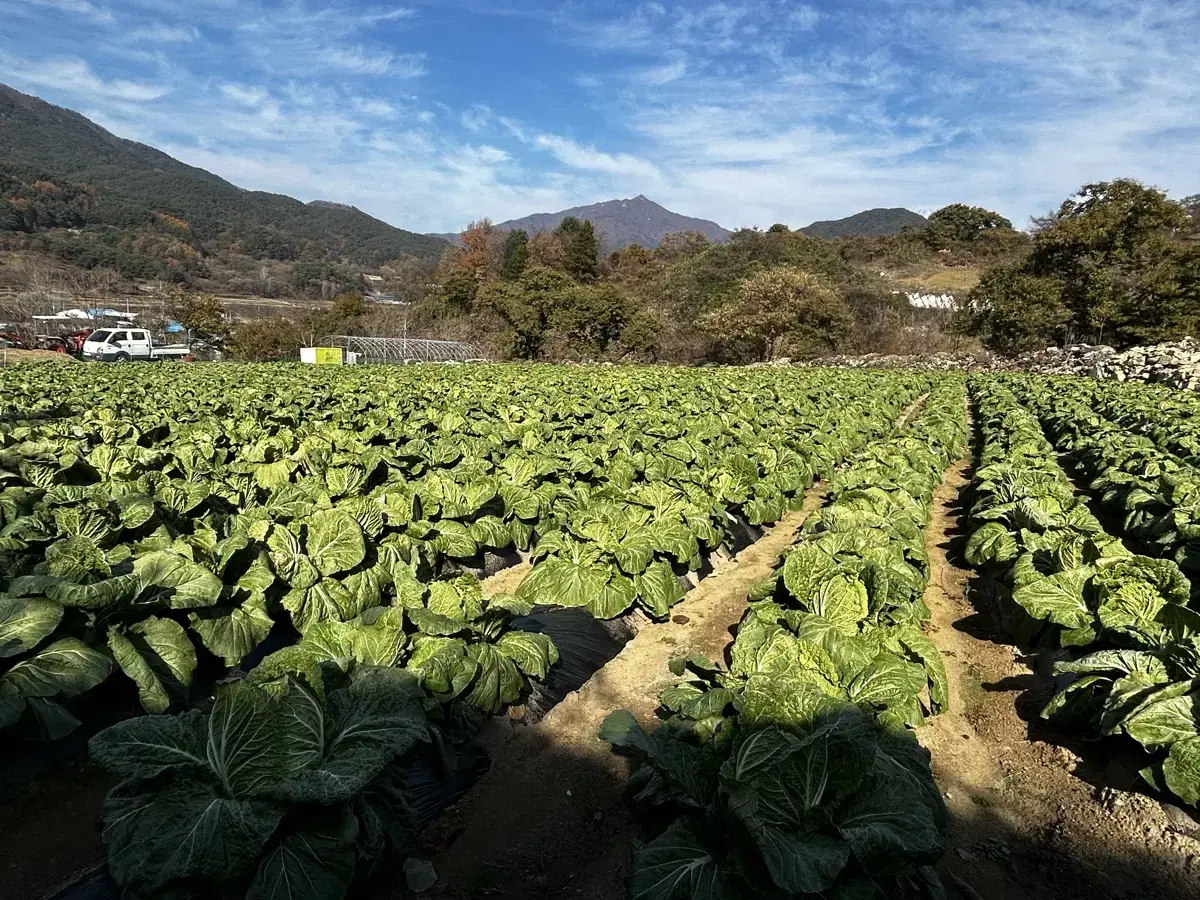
[431, 114]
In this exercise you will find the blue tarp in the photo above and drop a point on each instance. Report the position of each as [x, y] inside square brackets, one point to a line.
[175, 328]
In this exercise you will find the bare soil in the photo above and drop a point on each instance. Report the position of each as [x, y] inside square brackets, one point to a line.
[549, 821]
[9, 356]
[1034, 814]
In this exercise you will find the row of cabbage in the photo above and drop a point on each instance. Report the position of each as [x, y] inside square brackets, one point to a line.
[169, 523]
[1151, 491]
[791, 772]
[1064, 580]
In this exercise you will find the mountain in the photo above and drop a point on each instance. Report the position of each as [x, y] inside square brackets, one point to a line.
[620, 223]
[870, 223]
[47, 151]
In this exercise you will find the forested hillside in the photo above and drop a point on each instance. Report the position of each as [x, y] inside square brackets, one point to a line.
[869, 223]
[146, 214]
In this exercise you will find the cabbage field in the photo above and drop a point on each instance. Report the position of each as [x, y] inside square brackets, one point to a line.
[261, 597]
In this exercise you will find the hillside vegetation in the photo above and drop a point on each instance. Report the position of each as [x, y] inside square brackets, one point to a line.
[759, 295]
[147, 215]
[872, 222]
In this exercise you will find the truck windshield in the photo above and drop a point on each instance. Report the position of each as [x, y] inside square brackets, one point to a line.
[99, 337]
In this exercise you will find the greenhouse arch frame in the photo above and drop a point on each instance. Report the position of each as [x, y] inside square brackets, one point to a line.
[407, 350]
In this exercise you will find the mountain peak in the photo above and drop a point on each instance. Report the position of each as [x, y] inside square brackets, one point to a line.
[621, 223]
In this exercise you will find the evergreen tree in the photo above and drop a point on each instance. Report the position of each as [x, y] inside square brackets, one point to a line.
[516, 255]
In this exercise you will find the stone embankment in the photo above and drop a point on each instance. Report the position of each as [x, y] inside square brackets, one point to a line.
[1175, 364]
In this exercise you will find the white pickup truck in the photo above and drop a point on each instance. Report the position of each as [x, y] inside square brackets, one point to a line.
[128, 345]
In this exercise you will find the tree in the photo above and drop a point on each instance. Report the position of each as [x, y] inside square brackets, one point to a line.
[960, 223]
[640, 336]
[526, 306]
[545, 249]
[682, 244]
[1012, 312]
[784, 303]
[266, 339]
[516, 255]
[459, 290]
[1191, 208]
[349, 305]
[581, 250]
[1111, 246]
[592, 317]
[483, 246]
[202, 314]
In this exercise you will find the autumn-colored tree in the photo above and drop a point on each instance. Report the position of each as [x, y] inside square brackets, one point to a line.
[682, 244]
[783, 305]
[483, 250]
[546, 250]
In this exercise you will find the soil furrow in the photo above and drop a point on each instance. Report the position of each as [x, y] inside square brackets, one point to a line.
[1030, 817]
[549, 818]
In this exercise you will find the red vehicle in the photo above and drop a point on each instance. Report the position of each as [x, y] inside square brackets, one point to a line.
[64, 343]
[13, 340]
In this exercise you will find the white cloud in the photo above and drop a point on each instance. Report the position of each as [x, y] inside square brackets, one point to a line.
[590, 159]
[664, 74]
[752, 111]
[373, 107]
[373, 17]
[159, 33]
[243, 95]
[76, 77]
[1011, 106]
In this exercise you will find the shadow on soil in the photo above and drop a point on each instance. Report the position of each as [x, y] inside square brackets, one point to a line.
[990, 856]
[990, 859]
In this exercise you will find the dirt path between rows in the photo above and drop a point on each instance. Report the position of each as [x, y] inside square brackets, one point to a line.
[1033, 815]
[549, 821]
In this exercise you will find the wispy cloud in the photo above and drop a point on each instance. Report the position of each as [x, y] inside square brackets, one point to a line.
[590, 159]
[78, 7]
[158, 33]
[245, 96]
[76, 77]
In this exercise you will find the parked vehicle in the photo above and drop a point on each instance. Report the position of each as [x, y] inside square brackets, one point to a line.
[129, 345]
[12, 340]
[64, 343]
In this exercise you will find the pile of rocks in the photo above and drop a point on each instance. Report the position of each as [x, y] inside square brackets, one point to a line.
[1175, 364]
[1095, 360]
[938, 362]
